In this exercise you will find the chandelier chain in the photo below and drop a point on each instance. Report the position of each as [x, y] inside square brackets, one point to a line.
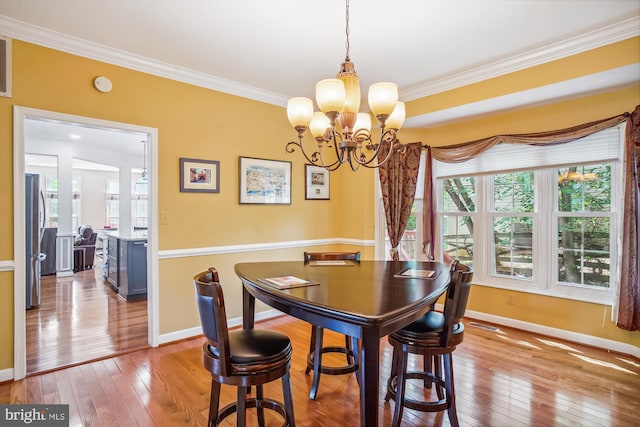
[340, 128]
[347, 32]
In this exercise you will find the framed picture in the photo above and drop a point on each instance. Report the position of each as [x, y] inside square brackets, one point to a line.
[264, 181]
[199, 176]
[316, 183]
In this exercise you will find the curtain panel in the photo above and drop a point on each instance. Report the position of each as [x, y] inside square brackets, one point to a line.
[628, 308]
[398, 181]
[628, 304]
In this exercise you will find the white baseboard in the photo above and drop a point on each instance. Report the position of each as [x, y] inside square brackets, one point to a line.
[194, 332]
[590, 340]
[603, 343]
[6, 375]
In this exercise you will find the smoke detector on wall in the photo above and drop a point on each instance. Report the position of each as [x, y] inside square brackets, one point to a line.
[103, 84]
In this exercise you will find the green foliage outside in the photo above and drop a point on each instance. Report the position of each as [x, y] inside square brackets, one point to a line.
[583, 241]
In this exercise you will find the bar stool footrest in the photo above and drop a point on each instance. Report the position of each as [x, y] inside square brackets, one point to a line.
[334, 370]
[419, 405]
[273, 405]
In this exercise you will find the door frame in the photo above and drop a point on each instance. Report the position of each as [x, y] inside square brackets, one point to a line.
[20, 114]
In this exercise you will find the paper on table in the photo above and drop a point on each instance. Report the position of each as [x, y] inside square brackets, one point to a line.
[332, 262]
[287, 282]
[412, 273]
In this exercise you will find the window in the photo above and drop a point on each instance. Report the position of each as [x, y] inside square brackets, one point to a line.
[583, 220]
[140, 204]
[409, 247]
[51, 191]
[535, 219]
[112, 203]
[458, 216]
[512, 224]
[51, 195]
[75, 203]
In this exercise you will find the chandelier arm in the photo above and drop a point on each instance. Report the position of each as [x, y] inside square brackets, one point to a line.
[394, 145]
[349, 144]
[356, 166]
[330, 167]
[337, 137]
[290, 149]
[376, 151]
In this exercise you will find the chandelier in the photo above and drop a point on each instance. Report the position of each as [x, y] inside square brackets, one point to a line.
[339, 127]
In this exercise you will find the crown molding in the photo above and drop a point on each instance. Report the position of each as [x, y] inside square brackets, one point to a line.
[568, 89]
[621, 30]
[76, 46]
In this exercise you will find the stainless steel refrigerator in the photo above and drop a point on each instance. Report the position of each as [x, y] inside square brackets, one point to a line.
[34, 227]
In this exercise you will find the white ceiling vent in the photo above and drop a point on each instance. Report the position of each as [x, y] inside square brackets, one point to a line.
[5, 66]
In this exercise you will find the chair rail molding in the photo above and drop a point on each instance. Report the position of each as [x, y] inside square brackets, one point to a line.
[255, 247]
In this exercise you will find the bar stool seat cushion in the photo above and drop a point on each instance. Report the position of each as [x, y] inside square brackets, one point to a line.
[429, 328]
[256, 346]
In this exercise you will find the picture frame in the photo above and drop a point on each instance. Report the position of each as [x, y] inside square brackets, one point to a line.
[199, 176]
[264, 181]
[316, 183]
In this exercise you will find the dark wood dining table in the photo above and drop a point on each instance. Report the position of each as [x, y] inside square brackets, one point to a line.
[362, 299]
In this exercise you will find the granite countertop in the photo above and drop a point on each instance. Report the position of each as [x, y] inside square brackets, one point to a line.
[138, 235]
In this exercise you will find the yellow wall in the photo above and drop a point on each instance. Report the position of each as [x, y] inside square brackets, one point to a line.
[605, 58]
[581, 317]
[192, 122]
[199, 123]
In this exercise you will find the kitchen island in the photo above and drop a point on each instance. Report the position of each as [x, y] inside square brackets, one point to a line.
[127, 263]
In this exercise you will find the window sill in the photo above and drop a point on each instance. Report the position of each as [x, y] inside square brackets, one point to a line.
[602, 297]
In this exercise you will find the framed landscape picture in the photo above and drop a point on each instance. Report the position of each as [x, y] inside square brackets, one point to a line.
[264, 181]
[199, 176]
[316, 183]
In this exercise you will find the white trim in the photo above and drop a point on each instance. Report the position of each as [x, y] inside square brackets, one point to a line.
[76, 46]
[231, 323]
[622, 30]
[7, 266]
[20, 114]
[576, 337]
[254, 247]
[555, 92]
[6, 375]
[19, 224]
[617, 31]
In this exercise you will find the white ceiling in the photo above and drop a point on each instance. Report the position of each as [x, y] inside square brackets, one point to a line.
[85, 139]
[270, 50]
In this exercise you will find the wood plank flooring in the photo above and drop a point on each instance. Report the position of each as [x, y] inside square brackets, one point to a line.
[81, 318]
[503, 377]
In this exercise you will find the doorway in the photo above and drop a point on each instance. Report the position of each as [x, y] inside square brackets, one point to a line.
[26, 141]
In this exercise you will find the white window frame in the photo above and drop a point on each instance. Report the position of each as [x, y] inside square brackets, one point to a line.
[545, 272]
[110, 195]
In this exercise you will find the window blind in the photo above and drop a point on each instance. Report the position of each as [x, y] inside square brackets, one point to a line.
[600, 147]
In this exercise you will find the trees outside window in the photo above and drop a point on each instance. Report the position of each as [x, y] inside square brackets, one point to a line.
[534, 219]
[583, 219]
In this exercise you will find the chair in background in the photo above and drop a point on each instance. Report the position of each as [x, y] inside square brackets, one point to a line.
[241, 358]
[316, 348]
[84, 248]
[434, 336]
[48, 247]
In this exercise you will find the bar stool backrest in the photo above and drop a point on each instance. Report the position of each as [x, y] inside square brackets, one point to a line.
[456, 302]
[213, 317]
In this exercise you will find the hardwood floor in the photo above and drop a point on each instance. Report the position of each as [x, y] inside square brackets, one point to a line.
[80, 318]
[503, 377]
